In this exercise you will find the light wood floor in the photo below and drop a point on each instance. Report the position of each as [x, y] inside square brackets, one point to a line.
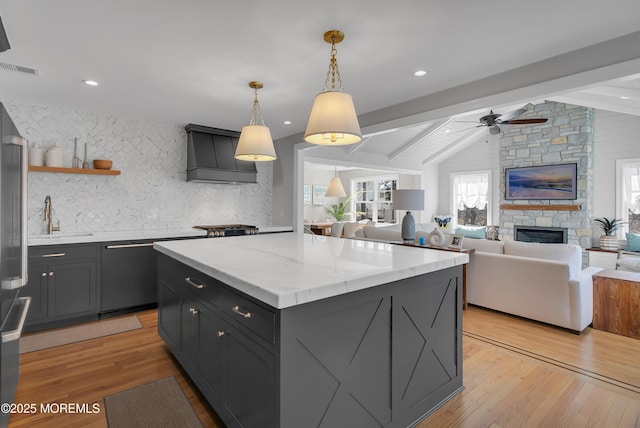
[517, 373]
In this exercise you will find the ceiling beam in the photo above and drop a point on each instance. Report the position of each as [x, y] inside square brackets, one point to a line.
[582, 99]
[470, 136]
[355, 147]
[428, 132]
[613, 91]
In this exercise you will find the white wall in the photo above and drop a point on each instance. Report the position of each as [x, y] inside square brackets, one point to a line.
[479, 156]
[151, 192]
[617, 136]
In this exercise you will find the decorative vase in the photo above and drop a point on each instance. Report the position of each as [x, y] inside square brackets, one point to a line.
[436, 238]
[608, 242]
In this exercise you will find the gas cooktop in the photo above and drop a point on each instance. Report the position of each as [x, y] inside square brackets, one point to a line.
[221, 230]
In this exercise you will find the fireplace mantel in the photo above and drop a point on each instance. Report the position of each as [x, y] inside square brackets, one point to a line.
[577, 207]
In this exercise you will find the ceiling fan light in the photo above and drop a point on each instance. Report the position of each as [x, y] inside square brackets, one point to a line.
[333, 120]
[255, 144]
[494, 130]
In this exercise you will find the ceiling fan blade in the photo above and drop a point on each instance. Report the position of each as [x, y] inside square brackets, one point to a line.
[523, 121]
[512, 114]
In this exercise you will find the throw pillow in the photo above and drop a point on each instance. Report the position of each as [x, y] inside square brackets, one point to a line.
[349, 230]
[471, 231]
[633, 242]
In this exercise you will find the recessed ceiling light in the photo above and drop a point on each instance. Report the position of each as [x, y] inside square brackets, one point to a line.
[420, 73]
[287, 122]
[90, 82]
[624, 98]
[446, 131]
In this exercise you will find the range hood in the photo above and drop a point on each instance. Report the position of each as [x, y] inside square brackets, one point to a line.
[210, 157]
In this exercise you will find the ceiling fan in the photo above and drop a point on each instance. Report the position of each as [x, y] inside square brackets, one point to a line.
[492, 120]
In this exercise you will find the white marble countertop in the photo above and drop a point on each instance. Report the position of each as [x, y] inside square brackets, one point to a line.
[288, 269]
[58, 238]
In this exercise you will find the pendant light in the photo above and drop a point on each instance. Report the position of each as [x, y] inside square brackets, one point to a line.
[335, 189]
[333, 120]
[255, 143]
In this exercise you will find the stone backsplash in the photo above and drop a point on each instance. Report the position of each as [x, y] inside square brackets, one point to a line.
[151, 192]
[567, 137]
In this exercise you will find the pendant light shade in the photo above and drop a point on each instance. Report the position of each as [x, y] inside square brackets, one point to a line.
[255, 143]
[333, 119]
[335, 189]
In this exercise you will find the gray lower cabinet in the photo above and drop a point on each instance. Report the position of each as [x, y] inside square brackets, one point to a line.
[387, 356]
[63, 285]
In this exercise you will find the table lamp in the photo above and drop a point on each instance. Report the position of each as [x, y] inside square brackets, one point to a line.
[409, 200]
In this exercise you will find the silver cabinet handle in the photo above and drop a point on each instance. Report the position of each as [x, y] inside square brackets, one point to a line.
[194, 311]
[44, 274]
[50, 273]
[114, 247]
[237, 310]
[220, 333]
[54, 255]
[194, 282]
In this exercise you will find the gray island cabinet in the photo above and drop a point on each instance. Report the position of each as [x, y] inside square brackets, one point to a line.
[293, 330]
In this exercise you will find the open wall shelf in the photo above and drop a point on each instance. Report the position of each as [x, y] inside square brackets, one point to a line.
[74, 170]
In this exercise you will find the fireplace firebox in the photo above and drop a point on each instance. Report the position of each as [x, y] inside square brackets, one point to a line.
[544, 235]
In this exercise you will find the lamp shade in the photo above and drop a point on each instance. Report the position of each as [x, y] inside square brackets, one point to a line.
[408, 199]
[255, 144]
[335, 189]
[333, 120]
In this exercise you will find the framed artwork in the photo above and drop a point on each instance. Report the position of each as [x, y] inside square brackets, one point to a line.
[306, 194]
[455, 241]
[318, 194]
[542, 182]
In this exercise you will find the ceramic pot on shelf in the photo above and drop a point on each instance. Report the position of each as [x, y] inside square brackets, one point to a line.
[608, 242]
[54, 156]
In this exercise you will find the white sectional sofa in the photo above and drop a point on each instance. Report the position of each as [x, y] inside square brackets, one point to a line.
[543, 282]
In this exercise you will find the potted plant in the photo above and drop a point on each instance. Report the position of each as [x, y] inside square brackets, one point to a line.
[608, 241]
[338, 210]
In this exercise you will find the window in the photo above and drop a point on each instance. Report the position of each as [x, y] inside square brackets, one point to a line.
[470, 196]
[372, 200]
[628, 193]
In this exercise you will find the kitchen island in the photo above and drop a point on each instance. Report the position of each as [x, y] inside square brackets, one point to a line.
[292, 330]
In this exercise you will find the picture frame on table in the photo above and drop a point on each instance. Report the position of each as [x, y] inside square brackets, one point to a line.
[318, 194]
[455, 241]
[306, 194]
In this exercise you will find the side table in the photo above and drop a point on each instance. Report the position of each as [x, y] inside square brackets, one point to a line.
[616, 302]
[464, 266]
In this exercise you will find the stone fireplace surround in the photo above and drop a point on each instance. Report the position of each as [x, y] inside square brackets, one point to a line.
[567, 137]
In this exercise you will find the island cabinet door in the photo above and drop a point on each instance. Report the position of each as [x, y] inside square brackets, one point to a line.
[210, 354]
[249, 381]
[169, 310]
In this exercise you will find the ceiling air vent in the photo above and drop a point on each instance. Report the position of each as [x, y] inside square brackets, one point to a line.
[18, 68]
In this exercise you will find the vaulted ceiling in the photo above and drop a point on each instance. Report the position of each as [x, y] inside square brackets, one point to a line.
[190, 62]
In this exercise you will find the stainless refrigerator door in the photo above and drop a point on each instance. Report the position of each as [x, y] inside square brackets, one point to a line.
[13, 236]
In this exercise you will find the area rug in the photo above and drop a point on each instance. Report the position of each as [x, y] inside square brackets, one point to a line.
[155, 405]
[63, 336]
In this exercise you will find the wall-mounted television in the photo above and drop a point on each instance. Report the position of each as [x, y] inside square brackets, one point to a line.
[549, 182]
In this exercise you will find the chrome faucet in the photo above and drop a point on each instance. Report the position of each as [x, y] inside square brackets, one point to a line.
[48, 216]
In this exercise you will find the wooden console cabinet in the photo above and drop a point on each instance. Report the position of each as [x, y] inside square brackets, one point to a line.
[616, 302]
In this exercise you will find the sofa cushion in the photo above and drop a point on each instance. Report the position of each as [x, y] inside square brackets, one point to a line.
[478, 232]
[382, 233]
[484, 245]
[629, 263]
[568, 253]
[349, 229]
[633, 242]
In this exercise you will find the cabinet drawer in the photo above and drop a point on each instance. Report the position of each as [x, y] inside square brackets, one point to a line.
[63, 253]
[189, 280]
[256, 318]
